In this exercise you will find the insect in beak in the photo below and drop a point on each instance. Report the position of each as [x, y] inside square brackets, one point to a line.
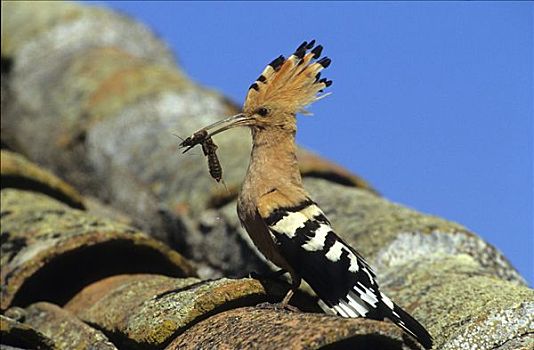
[222, 125]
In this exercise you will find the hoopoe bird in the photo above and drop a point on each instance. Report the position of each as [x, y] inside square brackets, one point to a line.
[286, 225]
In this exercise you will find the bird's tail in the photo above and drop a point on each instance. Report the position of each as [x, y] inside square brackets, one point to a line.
[405, 321]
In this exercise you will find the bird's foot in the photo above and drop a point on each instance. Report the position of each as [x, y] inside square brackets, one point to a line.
[278, 306]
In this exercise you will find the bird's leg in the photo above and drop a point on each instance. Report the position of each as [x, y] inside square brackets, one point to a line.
[284, 304]
[295, 284]
[287, 298]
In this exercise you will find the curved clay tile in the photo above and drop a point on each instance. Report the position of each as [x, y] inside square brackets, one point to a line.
[64, 329]
[150, 310]
[51, 251]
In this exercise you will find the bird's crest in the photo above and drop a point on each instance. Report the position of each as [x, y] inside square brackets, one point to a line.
[290, 84]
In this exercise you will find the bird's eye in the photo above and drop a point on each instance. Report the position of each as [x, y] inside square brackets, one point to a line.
[262, 111]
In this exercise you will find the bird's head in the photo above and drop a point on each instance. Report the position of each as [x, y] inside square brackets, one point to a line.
[284, 88]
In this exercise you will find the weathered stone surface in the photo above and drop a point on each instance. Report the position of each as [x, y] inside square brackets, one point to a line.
[96, 207]
[260, 328]
[17, 335]
[54, 111]
[461, 302]
[58, 27]
[18, 172]
[50, 251]
[220, 250]
[40, 39]
[66, 330]
[146, 311]
[525, 342]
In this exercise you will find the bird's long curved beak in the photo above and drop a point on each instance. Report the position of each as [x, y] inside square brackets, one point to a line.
[203, 134]
[231, 122]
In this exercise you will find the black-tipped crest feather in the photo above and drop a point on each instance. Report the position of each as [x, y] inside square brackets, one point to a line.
[291, 84]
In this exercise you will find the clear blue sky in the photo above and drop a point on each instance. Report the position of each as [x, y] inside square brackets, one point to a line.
[432, 102]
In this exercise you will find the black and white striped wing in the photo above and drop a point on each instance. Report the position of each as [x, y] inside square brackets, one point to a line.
[335, 271]
[331, 267]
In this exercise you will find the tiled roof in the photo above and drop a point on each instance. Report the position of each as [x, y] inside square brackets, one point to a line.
[143, 250]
